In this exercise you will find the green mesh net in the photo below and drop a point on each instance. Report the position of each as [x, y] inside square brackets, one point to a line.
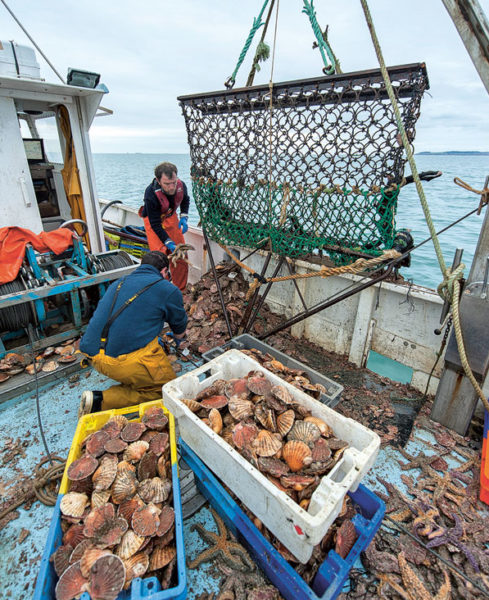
[319, 172]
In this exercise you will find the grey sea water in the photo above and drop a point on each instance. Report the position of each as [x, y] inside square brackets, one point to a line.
[125, 177]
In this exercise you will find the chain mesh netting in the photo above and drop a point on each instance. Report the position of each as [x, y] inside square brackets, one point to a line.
[319, 170]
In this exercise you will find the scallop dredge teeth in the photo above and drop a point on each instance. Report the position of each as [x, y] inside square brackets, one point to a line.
[117, 519]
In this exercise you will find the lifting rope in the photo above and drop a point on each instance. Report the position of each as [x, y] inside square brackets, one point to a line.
[449, 289]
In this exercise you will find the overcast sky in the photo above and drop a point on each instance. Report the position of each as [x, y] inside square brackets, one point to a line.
[151, 51]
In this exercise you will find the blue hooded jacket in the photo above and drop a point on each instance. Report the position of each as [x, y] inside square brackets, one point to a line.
[142, 320]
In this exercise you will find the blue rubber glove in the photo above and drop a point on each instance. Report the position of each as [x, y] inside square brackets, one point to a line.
[177, 341]
[183, 224]
[170, 244]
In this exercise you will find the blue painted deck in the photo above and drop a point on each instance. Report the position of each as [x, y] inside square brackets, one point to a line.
[59, 404]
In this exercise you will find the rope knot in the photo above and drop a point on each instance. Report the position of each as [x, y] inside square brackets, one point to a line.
[260, 278]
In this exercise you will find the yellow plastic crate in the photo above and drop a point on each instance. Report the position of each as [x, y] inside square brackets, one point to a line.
[95, 421]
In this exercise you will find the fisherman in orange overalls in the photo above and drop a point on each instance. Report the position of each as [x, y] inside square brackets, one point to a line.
[164, 230]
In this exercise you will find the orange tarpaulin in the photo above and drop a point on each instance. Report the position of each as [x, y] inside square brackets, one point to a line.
[13, 241]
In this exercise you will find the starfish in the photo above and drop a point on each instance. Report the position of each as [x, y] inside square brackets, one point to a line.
[236, 582]
[422, 461]
[231, 552]
[397, 504]
[440, 485]
[415, 587]
[452, 536]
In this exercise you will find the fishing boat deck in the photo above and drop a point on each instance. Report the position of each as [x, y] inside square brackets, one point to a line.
[23, 532]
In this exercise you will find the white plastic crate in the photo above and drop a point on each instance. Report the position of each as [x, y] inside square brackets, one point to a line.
[297, 529]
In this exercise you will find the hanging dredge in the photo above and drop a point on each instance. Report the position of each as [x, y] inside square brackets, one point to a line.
[332, 180]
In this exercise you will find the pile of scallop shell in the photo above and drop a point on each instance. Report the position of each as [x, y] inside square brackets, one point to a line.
[117, 518]
[273, 431]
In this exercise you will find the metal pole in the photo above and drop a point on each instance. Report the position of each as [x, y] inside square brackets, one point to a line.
[249, 325]
[252, 301]
[216, 279]
[297, 287]
[328, 303]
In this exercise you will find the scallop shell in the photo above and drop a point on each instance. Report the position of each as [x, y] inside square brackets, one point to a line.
[244, 434]
[240, 409]
[155, 418]
[283, 394]
[146, 468]
[107, 577]
[82, 468]
[161, 467]
[145, 520]
[273, 466]
[67, 358]
[115, 425]
[275, 403]
[167, 518]
[266, 444]
[227, 435]
[104, 476]
[214, 402]
[321, 451]
[127, 508]
[324, 428]
[31, 369]
[115, 445]
[99, 498]
[89, 557]
[61, 559]
[135, 451]
[346, 537]
[15, 370]
[297, 455]
[48, 352]
[215, 388]
[79, 550]
[154, 490]
[215, 420]
[192, 404]
[110, 533]
[236, 387]
[133, 431]
[50, 366]
[304, 432]
[259, 385]
[297, 482]
[266, 417]
[285, 421]
[97, 517]
[95, 443]
[73, 535]
[136, 566]
[124, 486]
[161, 557]
[84, 486]
[125, 467]
[73, 504]
[4, 376]
[159, 443]
[129, 544]
[71, 584]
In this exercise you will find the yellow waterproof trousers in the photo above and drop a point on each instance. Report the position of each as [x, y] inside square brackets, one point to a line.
[140, 373]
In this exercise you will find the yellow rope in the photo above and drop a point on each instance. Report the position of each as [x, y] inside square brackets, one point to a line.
[357, 267]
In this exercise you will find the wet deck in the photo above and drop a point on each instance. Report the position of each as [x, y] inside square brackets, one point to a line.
[22, 539]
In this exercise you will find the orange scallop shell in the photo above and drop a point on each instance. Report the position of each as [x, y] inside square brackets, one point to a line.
[161, 557]
[215, 420]
[136, 566]
[135, 451]
[145, 520]
[104, 476]
[129, 544]
[96, 518]
[266, 444]
[71, 584]
[285, 421]
[324, 428]
[89, 557]
[297, 455]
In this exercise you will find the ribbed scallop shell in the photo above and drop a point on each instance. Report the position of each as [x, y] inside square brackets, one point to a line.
[125, 467]
[115, 445]
[61, 559]
[159, 443]
[297, 455]
[73, 504]
[71, 584]
[107, 577]
[227, 435]
[215, 388]
[79, 550]
[136, 566]
[154, 490]
[161, 557]
[96, 518]
[133, 431]
[192, 404]
[129, 544]
[124, 486]
[321, 451]
[346, 537]
[104, 476]
[285, 421]
[167, 518]
[236, 387]
[282, 393]
[135, 451]
[244, 434]
[215, 420]
[127, 508]
[90, 556]
[73, 535]
[297, 482]
[99, 498]
[146, 468]
[110, 533]
[95, 444]
[214, 402]
[259, 385]
[161, 467]
[266, 444]
[155, 418]
[304, 432]
[82, 468]
[115, 425]
[240, 409]
[324, 428]
[266, 416]
[145, 520]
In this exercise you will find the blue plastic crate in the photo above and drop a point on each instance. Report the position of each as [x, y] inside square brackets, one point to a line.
[141, 589]
[334, 571]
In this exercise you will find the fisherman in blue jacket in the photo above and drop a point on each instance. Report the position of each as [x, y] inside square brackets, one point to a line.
[122, 338]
